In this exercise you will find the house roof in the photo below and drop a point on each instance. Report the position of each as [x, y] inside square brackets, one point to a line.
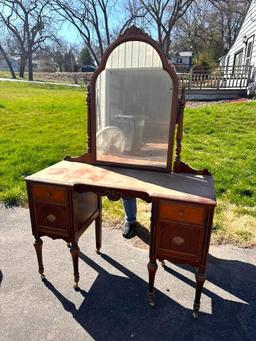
[185, 54]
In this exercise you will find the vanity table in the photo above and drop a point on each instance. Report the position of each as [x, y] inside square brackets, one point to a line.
[134, 114]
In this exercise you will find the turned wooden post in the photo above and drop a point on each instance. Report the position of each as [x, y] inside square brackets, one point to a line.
[89, 125]
[98, 226]
[38, 244]
[200, 279]
[74, 250]
[179, 133]
[152, 267]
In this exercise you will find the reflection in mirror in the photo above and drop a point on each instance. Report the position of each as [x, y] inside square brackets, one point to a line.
[133, 114]
[133, 108]
[133, 54]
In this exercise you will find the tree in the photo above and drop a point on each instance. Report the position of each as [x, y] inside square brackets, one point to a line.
[209, 29]
[228, 15]
[6, 56]
[162, 16]
[95, 21]
[85, 57]
[69, 62]
[28, 22]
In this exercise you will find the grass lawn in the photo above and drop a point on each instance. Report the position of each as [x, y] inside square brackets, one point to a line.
[40, 124]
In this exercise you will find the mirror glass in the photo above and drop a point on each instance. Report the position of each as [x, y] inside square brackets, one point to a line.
[133, 107]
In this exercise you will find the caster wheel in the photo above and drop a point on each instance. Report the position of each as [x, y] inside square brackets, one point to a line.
[195, 315]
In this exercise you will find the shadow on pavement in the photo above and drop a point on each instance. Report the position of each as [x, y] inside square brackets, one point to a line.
[115, 308]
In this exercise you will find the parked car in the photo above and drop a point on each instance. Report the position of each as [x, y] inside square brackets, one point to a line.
[88, 68]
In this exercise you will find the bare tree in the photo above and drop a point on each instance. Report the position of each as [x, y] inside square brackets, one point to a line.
[3, 52]
[162, 16]
[229, 16]
[27, 21]
[95, 21]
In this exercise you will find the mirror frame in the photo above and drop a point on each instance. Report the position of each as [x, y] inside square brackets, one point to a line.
[131, 34]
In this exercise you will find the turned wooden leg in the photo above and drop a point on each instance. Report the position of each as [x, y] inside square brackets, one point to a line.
[38, 244]
[152, 267]
[98, 233]
[74, 250]
[200, 279]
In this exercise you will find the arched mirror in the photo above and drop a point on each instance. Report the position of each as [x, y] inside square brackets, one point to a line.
[133, 105]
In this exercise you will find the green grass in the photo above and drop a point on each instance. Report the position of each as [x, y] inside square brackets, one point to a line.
[40, 124]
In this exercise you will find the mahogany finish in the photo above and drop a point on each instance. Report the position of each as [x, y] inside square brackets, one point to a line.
[66, 198]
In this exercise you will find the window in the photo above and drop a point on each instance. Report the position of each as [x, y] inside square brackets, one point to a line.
[248, 53]
[238, 61]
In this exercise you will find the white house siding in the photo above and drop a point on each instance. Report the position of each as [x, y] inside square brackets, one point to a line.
[247, 30]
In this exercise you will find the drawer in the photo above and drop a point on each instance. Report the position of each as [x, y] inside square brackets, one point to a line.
[178, 240]
[180, 212]
[49, 194]
[49, 215]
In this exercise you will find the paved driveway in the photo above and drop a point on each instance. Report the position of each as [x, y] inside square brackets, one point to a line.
[111, 303]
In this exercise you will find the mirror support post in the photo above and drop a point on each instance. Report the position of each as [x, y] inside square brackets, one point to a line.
[179, 134]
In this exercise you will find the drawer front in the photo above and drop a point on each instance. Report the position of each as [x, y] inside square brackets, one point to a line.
[183, 213]
[178, 240]
[49, 194]
[49, 215]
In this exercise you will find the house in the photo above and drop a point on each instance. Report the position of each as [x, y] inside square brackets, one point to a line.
[182, 61]
[242, 54]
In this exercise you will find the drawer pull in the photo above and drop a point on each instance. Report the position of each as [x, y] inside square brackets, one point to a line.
[51, 218]
[178, 240]
[181, 213]
[48, 194]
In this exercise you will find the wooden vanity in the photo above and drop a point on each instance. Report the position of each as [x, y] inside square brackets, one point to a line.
[129, 157]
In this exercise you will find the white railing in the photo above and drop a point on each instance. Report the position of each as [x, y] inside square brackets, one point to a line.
[228, 77]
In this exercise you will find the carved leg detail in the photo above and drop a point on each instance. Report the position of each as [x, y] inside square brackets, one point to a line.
[200, 279]
[98, 232]
[152, 267]
[38, 247]
[75, 253]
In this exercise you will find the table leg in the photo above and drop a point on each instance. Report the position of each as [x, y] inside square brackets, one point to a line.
[98, 228]
[38, 244]
[200, 279]
[74, 250]
[152, 267]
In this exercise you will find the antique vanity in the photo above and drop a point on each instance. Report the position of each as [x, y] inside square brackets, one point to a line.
[134, 114]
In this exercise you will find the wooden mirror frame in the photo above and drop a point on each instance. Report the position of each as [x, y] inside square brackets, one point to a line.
[131, 34]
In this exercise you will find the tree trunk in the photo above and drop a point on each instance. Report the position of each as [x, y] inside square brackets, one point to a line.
[23, 62]
[30, 66]
[8, 62]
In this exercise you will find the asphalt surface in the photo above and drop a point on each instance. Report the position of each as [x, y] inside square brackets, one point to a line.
[111, 303]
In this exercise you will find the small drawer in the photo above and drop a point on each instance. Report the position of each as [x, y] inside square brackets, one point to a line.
[50, 215]
[178, 240]
[183, 213]
[49, 194]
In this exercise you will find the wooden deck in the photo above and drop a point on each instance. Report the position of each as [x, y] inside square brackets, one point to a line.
[223, 78]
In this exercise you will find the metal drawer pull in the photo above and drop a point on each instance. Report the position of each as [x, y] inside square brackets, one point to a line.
[181, 213]
[51, 218]
[48, 194]
[178, 240]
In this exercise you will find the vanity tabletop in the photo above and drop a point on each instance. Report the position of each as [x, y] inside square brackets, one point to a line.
[175, 186]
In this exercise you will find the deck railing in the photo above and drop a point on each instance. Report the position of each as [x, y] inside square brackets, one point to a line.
[224, 77]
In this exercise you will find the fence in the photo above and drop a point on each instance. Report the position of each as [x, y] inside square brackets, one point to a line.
[225, 77]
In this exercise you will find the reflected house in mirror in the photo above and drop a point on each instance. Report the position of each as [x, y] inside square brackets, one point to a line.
[133, 105]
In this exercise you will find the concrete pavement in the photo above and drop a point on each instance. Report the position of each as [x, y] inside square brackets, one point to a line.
[111, 303]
